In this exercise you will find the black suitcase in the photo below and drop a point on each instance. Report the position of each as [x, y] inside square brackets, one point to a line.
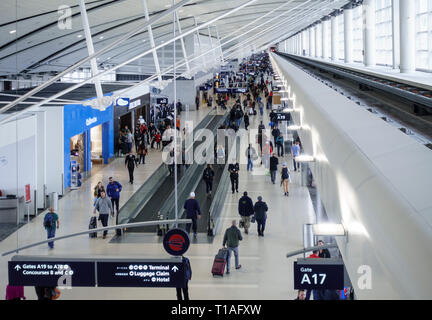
[93, 225]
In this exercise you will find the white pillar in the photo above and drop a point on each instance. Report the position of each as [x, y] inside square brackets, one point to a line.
[302, 36]
[334, 39]
[324, 34]
[396, 34]
[317, 37]
[407, 36]
[311, 42]
[369, 33]
[348, 35]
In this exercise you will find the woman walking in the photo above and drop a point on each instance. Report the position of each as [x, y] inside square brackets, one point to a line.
[285, 178]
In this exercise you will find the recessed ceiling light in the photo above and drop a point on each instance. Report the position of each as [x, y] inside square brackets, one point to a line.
[101, 37]
[12, 31]
[79, 36]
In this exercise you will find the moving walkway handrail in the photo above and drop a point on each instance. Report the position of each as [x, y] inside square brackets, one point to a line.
[304, 250]
[119, 226]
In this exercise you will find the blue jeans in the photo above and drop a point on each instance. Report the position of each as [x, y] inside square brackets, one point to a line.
[51, 234]
[249, 165]
[261, 111]
[236, 256]
[273, 176]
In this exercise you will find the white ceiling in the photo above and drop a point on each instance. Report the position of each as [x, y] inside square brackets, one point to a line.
[40, 45]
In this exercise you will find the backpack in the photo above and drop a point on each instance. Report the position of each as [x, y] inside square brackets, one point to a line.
[49, 220]
[188, 269]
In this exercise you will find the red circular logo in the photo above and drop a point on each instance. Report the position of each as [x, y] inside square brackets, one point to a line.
[176, 242]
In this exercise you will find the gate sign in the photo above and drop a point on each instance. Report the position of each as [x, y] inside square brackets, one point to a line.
[140, 274]
[48, 273]
[176, 242]
[318, 276]
[161, 101]
[283, 116]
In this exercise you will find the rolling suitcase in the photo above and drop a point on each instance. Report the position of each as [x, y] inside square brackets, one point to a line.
[219, 262]
[93, 225]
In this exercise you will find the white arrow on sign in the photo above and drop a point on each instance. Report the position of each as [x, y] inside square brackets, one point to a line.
[175, 269]
[17, 267]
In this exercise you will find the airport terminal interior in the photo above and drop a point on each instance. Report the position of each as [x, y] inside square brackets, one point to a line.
[216, 150]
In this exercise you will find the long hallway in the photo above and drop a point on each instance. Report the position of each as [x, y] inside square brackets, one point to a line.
[265, 272]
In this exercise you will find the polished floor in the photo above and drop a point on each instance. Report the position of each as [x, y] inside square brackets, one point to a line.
[265, 274]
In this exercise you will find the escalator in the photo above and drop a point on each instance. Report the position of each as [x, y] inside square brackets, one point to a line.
[161, 196]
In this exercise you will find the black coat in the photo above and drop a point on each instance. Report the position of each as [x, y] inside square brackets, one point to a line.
[260, 209]
[274, 161]
[245, 208]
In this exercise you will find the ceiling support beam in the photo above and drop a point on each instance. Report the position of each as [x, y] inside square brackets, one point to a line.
[182, 44]
[90, 49]
[152, 43]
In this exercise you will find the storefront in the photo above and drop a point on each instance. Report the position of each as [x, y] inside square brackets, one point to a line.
[88, 140]
[129, 116]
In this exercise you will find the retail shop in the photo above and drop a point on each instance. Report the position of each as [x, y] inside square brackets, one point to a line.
[88, 141]
[129, 116]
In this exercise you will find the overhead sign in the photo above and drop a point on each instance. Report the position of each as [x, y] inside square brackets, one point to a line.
[161, 100]
[282, 116]
[240, 90]
[176, 242]
[140, 274]
[318, 276]
[134, 104]
[122, 102]
[50, 273]
[221, 90]
[276, 88]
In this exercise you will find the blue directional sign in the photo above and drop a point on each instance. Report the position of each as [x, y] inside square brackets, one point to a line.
[140, 274]
[48, 273]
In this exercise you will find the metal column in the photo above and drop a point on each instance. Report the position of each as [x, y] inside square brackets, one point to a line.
[182, 44]
[334, 39]
[407, 34]
[369, 33]
[152, 43]
[90, 48]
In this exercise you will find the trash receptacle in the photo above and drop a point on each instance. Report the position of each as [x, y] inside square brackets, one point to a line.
[53, 200]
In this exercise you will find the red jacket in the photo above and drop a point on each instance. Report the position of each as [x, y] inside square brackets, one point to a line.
[313, 255]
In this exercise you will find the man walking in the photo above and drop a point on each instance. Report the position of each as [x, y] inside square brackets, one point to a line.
[245, 209]
[274, 161]
[113, 191]
[187, 276]
[295, 152]
[192, 212]
[234, 169]
[260, 209]
[51, 223]
[208, 176]
[231, 240]
[130, 163]
[104, 206]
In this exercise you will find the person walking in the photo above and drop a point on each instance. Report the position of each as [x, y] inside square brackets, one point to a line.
[193, 212]
[231, 240]
[279, 144]
[234, 169]
[105, 208]
[285, 178]
[274, 161]
[97, 191]
[260, 209]
[246, 209]
[250, 154]
[113, 191]
[275, 132]
[130, 163]
[142, 152]
[208, 176]
[51, 223]
[187, 276]
[246, 120]
[295, 152]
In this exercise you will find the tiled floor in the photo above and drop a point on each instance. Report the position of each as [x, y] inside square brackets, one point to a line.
[265, 274]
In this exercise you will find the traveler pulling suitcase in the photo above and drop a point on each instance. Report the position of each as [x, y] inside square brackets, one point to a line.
[93, 225]
[219, 262]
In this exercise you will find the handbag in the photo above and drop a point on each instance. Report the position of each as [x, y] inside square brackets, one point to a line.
[241, 224]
